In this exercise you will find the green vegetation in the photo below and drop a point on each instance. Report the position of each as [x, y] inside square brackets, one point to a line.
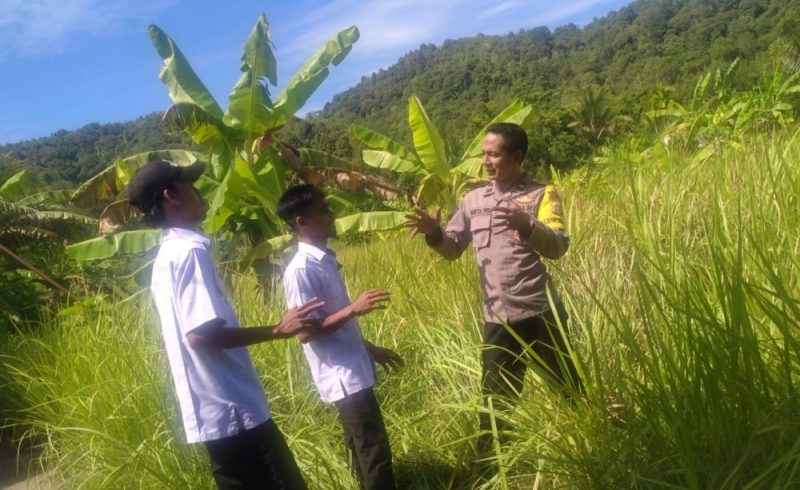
[682, 284]
[682, 280]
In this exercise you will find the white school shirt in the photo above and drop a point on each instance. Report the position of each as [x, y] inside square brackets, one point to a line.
[218, 389]
[339, 361]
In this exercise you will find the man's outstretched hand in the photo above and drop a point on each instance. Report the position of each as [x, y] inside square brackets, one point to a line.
[421, 222]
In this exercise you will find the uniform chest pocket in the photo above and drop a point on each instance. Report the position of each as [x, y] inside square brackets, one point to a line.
[481, 227]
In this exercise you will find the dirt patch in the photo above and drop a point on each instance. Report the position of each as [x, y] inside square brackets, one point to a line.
[17, 472]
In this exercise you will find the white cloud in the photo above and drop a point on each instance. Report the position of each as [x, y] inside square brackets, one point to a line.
[499, 9]
[29, 27]
[562, 12]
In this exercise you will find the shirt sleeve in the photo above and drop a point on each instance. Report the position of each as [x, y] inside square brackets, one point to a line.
[548, 234]
[198, 296]
[300, 285]
[451, 243]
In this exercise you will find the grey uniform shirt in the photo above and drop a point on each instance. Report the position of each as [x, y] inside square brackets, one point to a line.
[513, 278]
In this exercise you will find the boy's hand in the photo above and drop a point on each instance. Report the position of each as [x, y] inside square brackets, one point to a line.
[373, 299]
[389, 359]
[297, 322]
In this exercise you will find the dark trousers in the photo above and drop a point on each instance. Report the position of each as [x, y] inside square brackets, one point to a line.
[505, 360]
[254, 459]
[365, 436]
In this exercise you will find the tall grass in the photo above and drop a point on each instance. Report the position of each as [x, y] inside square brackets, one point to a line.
[682, 287]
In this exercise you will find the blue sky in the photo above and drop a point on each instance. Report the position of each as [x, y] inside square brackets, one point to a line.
[67, 63]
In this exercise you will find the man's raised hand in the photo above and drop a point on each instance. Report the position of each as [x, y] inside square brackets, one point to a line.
[370, 300]
[421, 222]
[509, 216]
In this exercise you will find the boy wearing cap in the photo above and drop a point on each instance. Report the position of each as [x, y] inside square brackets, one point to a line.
[341, 361]
[221, 398]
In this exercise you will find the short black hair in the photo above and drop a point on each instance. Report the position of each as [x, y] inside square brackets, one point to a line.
[297, 201]
[154, 215]
[513, 135]
[146, 187]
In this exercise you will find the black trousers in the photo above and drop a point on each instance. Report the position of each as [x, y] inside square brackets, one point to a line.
[505, 359]
[365, 436]
[254, 459]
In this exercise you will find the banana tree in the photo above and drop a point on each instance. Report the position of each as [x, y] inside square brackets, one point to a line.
[36, 226]
[718, 115]
[441, 179]
[247, 170]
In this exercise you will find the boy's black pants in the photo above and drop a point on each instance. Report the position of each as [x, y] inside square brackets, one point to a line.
[257, 458]
[505, 360]
[365, 436]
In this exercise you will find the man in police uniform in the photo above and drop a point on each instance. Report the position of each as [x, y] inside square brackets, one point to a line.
[513, 221]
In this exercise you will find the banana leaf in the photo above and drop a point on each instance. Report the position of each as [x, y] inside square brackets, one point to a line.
[516, 112]
[377, 141]
[52, 197]
[250, 107]
[389, 161]
[370, 221]
[314, 158]
[206, 130]
[177, 74]
[107, 184]
[127, 242]
[427, 142]
[311, 75]
[19, 185]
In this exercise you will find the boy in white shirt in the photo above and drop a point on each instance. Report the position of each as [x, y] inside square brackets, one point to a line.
[221, 397]
[341, 361]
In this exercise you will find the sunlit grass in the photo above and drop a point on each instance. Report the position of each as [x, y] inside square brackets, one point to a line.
[682, 286]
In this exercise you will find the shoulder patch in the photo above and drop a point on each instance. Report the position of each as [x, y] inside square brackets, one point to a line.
[550, 212]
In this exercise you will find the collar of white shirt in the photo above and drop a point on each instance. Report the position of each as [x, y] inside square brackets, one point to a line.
[315, 252]
[185, 234]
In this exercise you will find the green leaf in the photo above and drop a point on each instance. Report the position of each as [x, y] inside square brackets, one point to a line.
[309, 77]
[224, 201]
[516, 112]
[389, 161]
[250, 107]
[45, 197]
[111, 181]
[204, 129]
[375, 140]
[19, 185]
[430, 190]
[371, 221]
[471, 167]
[341, 201]
[179, 77]
[428, 143]
[315, 158]
[127, 242]
[68, 216]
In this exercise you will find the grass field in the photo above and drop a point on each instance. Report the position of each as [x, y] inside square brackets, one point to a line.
[682, 286]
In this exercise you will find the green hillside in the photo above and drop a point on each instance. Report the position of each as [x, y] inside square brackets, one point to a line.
[650, 46]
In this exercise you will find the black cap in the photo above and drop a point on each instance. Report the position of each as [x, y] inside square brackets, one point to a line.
[146, 186]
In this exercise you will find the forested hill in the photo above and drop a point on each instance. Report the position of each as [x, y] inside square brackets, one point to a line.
[630, 53]
[67, 158]
[647, 46]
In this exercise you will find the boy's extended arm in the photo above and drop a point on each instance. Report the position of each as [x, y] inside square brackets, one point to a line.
[370, 300]
[215, 335]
